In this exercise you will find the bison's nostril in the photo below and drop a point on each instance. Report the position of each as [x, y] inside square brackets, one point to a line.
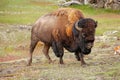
[86, 51]
[89, 46]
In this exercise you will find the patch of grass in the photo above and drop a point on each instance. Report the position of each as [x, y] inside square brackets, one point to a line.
[9, 48]
[23, 11]
[13, 40]
[107, 25]
[88, 10]
[112, 72]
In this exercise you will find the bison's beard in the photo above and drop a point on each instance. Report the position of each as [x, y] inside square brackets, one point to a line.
[86, 51]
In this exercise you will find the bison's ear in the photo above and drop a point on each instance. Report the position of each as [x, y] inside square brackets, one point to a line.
[96, 24]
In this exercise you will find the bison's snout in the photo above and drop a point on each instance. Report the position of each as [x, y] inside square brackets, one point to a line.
[89, 45]
[88, 48]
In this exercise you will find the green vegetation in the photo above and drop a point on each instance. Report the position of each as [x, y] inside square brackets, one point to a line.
[23, 11]
[88, 10]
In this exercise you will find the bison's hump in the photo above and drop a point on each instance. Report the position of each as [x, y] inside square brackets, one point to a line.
[72, 14]
[61, 18]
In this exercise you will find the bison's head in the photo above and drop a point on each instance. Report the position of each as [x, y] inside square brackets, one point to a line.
[84, 32]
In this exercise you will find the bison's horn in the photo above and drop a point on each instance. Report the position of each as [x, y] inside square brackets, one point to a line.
[76, 26]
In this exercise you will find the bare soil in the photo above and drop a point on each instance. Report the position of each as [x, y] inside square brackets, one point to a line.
[102, 64]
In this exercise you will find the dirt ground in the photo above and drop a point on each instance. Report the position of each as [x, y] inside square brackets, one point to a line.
[102, 64]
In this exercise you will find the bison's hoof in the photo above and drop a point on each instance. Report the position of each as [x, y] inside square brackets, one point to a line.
[28, 64]
[61, 62]
[84, 65]
[78, 58]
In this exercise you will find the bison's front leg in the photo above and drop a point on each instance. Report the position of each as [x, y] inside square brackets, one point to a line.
[77, 56]
[58, 50]
[82, 59]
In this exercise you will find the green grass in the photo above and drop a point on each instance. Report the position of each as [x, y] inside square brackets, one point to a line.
[88, 10]
[111, 72]
[23, 11]
[108, 24]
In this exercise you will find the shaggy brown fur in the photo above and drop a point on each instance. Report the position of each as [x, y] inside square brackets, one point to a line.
[72, 16]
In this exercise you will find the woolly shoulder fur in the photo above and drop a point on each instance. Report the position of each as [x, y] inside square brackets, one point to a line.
[72, 16]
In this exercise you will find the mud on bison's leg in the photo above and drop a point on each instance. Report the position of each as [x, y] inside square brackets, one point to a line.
[32, 47]
[82, 59]
[46, 52]
[58, 50]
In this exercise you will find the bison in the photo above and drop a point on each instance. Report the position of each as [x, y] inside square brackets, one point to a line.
[64, 28]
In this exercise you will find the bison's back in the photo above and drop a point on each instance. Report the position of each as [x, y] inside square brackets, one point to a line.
[57, 22]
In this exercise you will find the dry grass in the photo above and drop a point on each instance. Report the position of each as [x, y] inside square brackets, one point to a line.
[101, 64]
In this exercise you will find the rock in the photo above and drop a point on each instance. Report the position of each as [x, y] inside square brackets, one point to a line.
[111, 4]
[69, 3]
[115, 6]
[100, 4]
[107, 37]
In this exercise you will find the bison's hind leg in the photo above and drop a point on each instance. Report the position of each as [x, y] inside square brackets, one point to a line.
[32, 47]
[46, 52]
